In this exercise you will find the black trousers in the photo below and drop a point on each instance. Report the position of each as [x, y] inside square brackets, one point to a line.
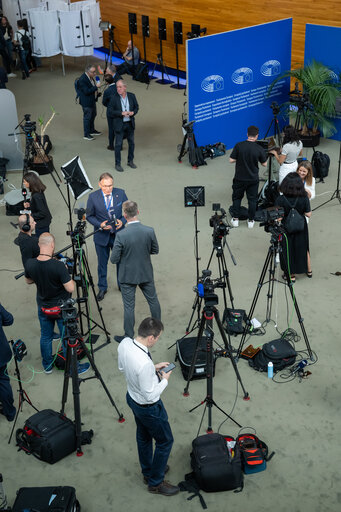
[126, 133]
[238, 190]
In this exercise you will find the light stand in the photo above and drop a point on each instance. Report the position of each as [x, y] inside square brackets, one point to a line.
[276, 134]
[23, 396]
[209, 313]
[106, 26]
[178, 39]
[162, 37]
[273, 258]
[78, 183]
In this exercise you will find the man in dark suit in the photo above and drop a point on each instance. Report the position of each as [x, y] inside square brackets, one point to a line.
[103, 205]
[110, 77]
[6, 394]
[122, 108]
[132, 249]
[88, 94]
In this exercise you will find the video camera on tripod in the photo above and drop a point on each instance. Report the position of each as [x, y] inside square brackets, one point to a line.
[29, 126]
[269, 218]
[206, 286]
[219, 225]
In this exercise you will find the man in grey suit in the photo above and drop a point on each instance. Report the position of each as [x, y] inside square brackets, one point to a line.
[132, 249]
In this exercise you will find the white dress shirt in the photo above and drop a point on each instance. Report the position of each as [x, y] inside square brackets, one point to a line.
[142, 382]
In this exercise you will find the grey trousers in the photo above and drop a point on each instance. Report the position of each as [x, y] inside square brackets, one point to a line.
[128, 296]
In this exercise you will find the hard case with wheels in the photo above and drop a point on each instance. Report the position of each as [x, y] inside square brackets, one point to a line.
[46, 499]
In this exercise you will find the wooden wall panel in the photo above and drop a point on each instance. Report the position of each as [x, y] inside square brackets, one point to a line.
[217, 16]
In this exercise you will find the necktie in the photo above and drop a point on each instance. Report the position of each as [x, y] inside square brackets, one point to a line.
[108, 200]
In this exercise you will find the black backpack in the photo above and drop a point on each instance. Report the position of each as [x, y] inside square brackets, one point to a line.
[280, 352]
[77, 89]
[254, 453]
[25, 42]
[141, 73]
[294, 222]
[320, 162]
[215, 466]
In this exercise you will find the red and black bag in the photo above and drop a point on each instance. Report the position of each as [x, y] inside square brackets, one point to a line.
[254, 453]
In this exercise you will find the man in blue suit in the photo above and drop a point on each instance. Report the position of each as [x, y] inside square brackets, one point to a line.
[103, 207]
[88, 93]
[111, 77]
[6, 394]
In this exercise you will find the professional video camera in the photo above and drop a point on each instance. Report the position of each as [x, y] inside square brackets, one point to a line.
[269, 218]
[206, 287]
[275, 108]
[69, 314]
[219, 225]
[80, 227]
[29, 126]
[19, 349]
[299, 99]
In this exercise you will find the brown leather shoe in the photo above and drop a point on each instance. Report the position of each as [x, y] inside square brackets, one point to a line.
[145, 478]
[165, 488]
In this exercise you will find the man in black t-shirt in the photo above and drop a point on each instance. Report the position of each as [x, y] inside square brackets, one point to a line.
[246, 155]
[54, 285]
[27, 243]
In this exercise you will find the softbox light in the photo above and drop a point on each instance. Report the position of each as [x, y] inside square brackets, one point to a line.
[194, 196]
[76, 178]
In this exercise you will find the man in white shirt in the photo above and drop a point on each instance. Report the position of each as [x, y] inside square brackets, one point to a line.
[145, 383]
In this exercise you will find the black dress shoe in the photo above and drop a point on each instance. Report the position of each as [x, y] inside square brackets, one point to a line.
[9, 418]
[119, 338]
[119, 168]
[165, 488]
[100, 295]
[132, 165]
[145, 479]
[111, 148]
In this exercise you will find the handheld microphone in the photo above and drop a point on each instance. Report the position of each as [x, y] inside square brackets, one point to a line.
[97, 78]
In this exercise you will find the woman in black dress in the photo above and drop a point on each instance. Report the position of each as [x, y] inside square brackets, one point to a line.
[294, 195]
[38, 205]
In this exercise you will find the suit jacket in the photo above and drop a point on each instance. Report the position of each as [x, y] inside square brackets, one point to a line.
[5, 350]
[132, 249]
[110, 91]
[96, 212]
[115, 110]
[87, 91]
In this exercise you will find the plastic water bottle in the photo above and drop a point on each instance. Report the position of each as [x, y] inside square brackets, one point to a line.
[270, 370]
[3, 499]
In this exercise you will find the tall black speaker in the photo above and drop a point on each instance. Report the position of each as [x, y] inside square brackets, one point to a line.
[145, 26]
[162, 29]
[132, 23]
[178, 39]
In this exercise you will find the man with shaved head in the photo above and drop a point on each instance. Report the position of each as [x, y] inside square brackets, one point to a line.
[27, 243]
[54, 285]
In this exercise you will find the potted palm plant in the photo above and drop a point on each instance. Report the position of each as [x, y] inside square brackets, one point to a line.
[312, 105]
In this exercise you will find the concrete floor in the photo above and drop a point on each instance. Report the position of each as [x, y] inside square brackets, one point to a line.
[300, 421]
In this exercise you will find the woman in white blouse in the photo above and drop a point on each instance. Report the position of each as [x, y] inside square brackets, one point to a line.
[305, 170]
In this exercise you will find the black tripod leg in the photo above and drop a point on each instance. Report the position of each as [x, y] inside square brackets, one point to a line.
[99, 377]
[272, 269]
[254, 302]
[182, 151]
[293, 296]
[228, 350]
[66, 377]
[76, 401]
[195, 355]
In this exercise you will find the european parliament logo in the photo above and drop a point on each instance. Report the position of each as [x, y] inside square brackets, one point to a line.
[271, 68]
[212, 83]
[242, 76]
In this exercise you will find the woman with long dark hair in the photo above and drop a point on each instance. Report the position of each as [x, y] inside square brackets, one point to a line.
[305, 171]
[292, 148]
[295, 245]
[38, 205]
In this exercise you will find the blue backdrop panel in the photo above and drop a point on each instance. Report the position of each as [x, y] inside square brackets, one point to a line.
[227, 78]
[323, 44]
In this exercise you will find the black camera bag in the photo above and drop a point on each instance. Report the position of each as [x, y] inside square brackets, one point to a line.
[215, 469]
[185, 348]
[280, 352]
[234, 320]
[48, 435]
[46, 499]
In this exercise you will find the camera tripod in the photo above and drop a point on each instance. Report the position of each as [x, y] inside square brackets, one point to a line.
[274, 257]
[34, 149]
[189, 138]
[73, 339]
[112, 44]
[23, 396]
[209, 313]
[161, 62]
[276, 135]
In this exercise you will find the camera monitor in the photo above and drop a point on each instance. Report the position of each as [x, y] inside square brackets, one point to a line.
[194, 196]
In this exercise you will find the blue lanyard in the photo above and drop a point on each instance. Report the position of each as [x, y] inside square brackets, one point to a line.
[105, 203]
